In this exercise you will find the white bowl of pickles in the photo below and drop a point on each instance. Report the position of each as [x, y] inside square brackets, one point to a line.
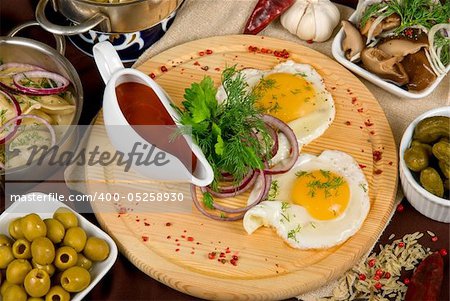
[49, 251]
[424, 164]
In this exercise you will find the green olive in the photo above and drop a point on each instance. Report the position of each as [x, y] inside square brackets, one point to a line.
[21, 249]
[5, 240]
[33, 226]
[96, 249]
[441, 150]
[416, 158]
[15, 229]
[55, 230]
[37, 283]
[432, 128]
[432, 182]
[76, 238]
[6, 256]
[15, 293]
[4, 286]
[49, 268]
[84, 262]
[43, 250]
[17, 270]
[67, 218]
[57, 293]
[75, 279]
[66, 257]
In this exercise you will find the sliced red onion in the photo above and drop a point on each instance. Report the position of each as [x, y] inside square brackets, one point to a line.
[226, 176]
[290, 135]
[17, 110]
[40, 119]
[273, 134]
[62, 83]
[210, 215]
[233, 190]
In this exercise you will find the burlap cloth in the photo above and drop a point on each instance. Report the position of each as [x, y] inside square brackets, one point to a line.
[199, 19]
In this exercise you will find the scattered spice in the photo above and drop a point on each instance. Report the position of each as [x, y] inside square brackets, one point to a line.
[362, 166]
[168, 224]
[368, 123]
[205, 68]
[354, 100]
[201, 53]
[390, 163]
[400, 208]
[163, 68]
[190, 238]
[360, 110]
[217, 69]
[212, 255]
[378, 172]
[152, 75]
[146, 224]
[196, 63]
[168, 237]
[348, 123]
[177, 250]
[144, 238]
[209, 51]
[377, 155]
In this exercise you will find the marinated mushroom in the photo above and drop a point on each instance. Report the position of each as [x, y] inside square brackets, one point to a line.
[388, 23]
[353, 42]
[401, 47]
[384, 65]
[419, 71]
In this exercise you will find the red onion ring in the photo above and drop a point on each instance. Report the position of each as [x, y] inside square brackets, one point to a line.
[40, 119]
[206, 213]
[273, 134]
[226, 176]
[61, 82]
[233, 190]
[17, 110]
[289, 133]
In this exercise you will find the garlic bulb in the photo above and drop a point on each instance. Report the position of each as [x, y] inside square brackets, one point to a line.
[311, 19]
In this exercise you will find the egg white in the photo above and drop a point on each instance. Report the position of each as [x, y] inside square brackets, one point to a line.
[314, 124]
[313, 233]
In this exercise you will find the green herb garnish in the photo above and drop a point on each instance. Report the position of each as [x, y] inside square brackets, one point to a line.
[273, 191]
[329, 186]
[292, 234]
[208, 200]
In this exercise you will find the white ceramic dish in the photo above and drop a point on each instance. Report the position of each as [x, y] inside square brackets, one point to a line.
[339, 55]
[426, 203]
[45, 209]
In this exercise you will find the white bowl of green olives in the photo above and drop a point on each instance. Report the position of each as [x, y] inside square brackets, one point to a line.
[50, 252]
[425, 164]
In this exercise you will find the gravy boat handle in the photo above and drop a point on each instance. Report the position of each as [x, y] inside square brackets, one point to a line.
[107, 60]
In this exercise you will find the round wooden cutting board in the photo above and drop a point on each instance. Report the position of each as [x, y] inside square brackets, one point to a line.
[173, 247]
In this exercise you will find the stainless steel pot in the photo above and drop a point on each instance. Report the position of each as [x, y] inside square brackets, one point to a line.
[28, 51]
[106, 17]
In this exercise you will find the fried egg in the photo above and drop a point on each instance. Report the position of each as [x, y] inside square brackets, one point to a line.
[321, 202]
[294, 93]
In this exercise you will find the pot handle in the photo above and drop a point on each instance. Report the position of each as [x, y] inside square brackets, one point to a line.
[107, 60]
[60, 40]
[69, 30]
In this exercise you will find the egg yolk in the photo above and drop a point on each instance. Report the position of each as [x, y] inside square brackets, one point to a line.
[286, 96]
[324, 194]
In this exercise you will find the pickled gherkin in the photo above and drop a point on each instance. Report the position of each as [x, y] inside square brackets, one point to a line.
[432, 182]
[432, 128]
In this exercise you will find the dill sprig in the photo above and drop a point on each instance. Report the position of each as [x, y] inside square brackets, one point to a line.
[232, 135]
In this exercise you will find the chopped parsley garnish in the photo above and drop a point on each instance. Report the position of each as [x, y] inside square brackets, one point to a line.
[208, 200]
[330, 186]
[284, 214]
[363, 187]
[292, 234]
[301, 173]
[273, 191]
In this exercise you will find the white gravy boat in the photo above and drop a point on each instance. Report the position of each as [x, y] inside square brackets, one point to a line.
[122, 135]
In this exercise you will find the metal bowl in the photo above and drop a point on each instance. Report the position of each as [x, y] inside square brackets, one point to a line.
[28, 51]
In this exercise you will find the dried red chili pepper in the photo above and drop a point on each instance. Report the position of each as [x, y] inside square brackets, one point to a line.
[427, 279]
[265, 12]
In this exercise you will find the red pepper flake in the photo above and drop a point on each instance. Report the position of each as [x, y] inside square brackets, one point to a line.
[348, 123]
[252, 48]
[198, 243]
[362, 166]
[400, 208]
[177, 250]
[163, 68]
[378, 172]
[443, 252]
[205, 68]
[228, 250]
[176, 239]
[192, 252]
[233, 262]
[190, 238]
[146, 224]
[212, 255]
[223, 261]
[372, 132]
[222, 254]
[276, 53]
[269, 51]
[348, 90]
[390, 163]
[235, 257]
[209, 51]
[362, 277]
[377, 155]
[360, 110]
[406, 281]
[144, 238]
[401, 244]
[376, 277]
[201, 53]
[217, 69]
[387, 275]
[138, 220]
[378, 285]
[263, 50]
[168, 224]
[152, 75]
[368, 123]
[183, 236]
[371, 262]
[168, 237]
[178, 244]
[310, 41]
[434, 239]
[354, 100]
[196, 63]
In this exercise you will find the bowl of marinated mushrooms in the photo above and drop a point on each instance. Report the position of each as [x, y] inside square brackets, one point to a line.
[401, 46]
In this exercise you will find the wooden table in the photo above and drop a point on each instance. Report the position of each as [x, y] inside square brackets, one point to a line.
[124, 281]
